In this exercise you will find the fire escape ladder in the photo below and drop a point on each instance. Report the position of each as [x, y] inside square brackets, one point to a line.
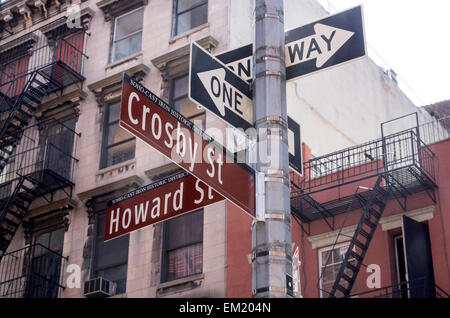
[42, 169]
[13, 210]
[19, 116]
[353, 259]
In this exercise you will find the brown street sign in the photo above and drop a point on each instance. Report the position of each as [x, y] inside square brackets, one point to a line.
[156, 123]
[156, 202]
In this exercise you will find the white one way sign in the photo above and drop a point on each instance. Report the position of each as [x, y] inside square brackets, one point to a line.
[321, 46]
[330, 41]
[217, 88]
[225, 95]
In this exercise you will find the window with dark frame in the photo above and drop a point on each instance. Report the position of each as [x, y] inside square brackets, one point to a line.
[46, 264]
[127, 35]
[182, 254]
[110, 258]
[70, 51]
[57, 147]
[118, 145]
[180, 101]
[330, 261]
[189, 14]
[12, 75]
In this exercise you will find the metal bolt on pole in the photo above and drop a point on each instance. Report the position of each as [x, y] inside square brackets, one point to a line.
[271, 234]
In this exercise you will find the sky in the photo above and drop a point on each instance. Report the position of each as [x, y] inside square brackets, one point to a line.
[413, 38]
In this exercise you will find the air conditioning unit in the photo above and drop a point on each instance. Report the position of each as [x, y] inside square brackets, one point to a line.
[98, 287]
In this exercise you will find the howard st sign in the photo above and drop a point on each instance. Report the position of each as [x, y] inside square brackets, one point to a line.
[157, 202]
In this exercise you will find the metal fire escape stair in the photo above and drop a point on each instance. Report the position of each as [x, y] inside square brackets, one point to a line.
[353, 259]
[20, 114]
[13, 210]
[322, 210]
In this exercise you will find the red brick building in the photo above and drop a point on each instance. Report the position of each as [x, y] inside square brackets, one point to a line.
[387, 199]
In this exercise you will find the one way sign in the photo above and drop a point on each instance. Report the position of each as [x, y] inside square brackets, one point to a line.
[328, 42]
[220, 90]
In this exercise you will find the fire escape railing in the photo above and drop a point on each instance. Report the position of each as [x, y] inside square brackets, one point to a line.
[397, 165]
[391, 153]
[55, 59]
[421, 288]
[35, 161]
[46, 146]
[44, 54]
[435, 130]
[32, 272]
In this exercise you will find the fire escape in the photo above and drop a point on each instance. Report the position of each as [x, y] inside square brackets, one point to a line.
[36, 156]
[390, 168]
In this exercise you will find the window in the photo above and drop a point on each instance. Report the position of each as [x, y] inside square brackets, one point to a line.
[400, 266]
[180, 101]
[12, 76]
[118, 144]
[127, 35]
[189, 14]
[46, 265]
[183, 246]
[56, 151]
[70, 51]
[330, 261]
[111, 258]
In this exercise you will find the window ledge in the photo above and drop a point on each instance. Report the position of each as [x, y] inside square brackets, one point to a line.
[124, 60]
[113, 178]
[138, 70]
[129, 163]
[188, 33]
[395, 221]
[194, 280]
[328, 238]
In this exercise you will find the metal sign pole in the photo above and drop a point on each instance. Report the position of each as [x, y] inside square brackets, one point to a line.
[271, 235]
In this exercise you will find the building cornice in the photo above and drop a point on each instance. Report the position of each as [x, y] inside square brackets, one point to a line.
[29, 38]
[27, 11]
[14, 10]
[86, 15]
